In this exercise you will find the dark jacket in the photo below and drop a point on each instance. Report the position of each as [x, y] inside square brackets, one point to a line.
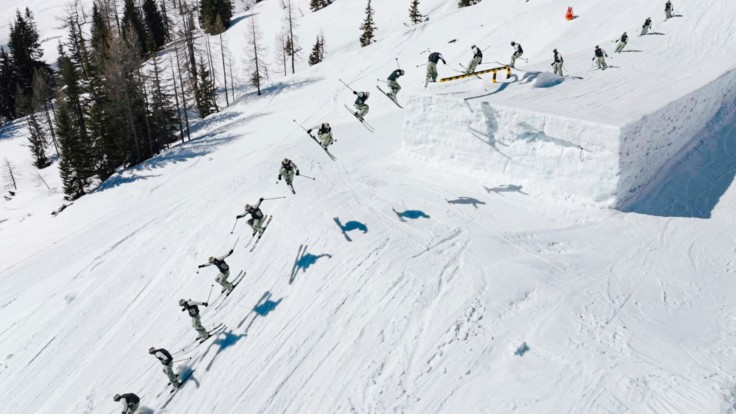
[395, 75]
[191, 307]
[435, 57]
[624, 38]
[361, 97]
[558, 58]
[477, 53]
[163, 356]
[600, 52]
[518, 48]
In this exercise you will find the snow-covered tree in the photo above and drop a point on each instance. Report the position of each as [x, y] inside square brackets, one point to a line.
[368, 27]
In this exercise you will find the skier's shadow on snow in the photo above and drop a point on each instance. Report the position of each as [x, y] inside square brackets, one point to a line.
[351, 226]
[411, 214]
[224, 341]
[263, 307]
[500, 190]
[632, 51]
[464, 200]
[304, 260]
[529, 77]
[186, 373]
[655, 33]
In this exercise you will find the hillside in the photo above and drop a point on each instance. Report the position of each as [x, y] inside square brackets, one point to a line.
[427, 269]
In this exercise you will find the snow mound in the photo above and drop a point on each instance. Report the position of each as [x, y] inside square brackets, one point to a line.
[547, 80]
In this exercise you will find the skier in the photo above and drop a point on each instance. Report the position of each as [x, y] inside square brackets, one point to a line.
[477, 59]
[168, 361]
[557, 64]
[599, 57]
[646, 26]
[324, 132]
[288, 170]
[224, 269]
[191, 307]
[360, 104]
[256, 216]
[433, 59]
[130, 402]
[622, 42]
[393, 84]
[518, 51]
[668, 9]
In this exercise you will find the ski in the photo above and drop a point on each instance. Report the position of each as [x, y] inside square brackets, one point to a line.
[211, 332]
[389, 97]
[361, 119]
[468, 73]
[263, 230]
[292, 189]
[323, 148]
[186, 377]
[235, 284]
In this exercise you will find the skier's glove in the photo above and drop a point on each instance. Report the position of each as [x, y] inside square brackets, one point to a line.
[260, 200]
[297, 173]
[309, 131]
[205, 304]
[238, 216]
[279, 177]
[231, 251]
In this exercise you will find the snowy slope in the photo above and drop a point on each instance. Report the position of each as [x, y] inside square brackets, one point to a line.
[420, 311]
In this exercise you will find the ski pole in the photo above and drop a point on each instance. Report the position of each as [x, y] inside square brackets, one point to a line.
[380, 80]
[397, 63]
[236, 242]
[270, 199]
[343, 83]
[308, 177]
[208, 296]
[297, 123]
[182, 359]
[421, 65]
[236, 223]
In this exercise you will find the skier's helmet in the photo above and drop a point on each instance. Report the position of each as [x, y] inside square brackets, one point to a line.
[327, 125]
[513, 43]
[367, 94]
[182, 302]
[152, 350]
[472, 47]
[555, 51]
[285, 162]
[211, 259]
[248, 207]
[116, 397]
[401, 71]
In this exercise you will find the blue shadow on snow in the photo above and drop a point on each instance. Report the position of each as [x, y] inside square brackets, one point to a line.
[411, 214]
[351, 226]
[464, 200]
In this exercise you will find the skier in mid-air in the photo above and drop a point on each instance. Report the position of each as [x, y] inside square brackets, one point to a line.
[287, 171]
[646, 26]
[191, 307]
[324, 132]
[518, 51]
[393, 84]
[360, 104]
[668, 9]
[557, 64]
[432, 61]
[168, 361]
[224, 269]
[256, 216]
[600, 57]
[477, 59]
[130, 402]
[622, 42]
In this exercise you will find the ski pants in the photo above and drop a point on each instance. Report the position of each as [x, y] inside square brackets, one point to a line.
[169, 371]
[288, 175]
[514, 57]
[601, 62]
[473, 64]
[395, 87]
[197, 324]
[222, 280]
[644, 30]
[668, 12]
[362, 109]
[132, 408]
[620, 46]
[557, 67]
[327, 139]
[432, 71]
[255, 224]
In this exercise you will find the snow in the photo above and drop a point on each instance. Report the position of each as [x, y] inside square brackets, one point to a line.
[409, 273]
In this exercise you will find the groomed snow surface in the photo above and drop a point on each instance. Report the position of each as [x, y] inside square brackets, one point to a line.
[535, 245]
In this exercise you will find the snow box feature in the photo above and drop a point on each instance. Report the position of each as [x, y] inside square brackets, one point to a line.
[562, 157]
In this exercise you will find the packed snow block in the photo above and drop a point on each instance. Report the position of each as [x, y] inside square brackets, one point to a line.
[550, 154]
[651, 145]
[562, 157]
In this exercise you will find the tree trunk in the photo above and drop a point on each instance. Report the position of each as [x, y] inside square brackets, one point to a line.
[183, 94]
[224, 70]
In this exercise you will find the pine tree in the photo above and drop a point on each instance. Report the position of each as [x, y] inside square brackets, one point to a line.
[368, 27]
[100, 36]
[162, 114]
[155, 25]
[134, 30]
[318, 51]
[291, 45]
[41, 101]
[466, 3]
[25, 49]
[414, 15]
[315, 5]
[76, 164]
[7, 86]
[76, 44]
[37, 142]
[205, 94]
[256, 66]
[210, 10]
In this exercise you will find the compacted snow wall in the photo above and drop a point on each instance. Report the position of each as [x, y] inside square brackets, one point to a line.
[560, 156]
